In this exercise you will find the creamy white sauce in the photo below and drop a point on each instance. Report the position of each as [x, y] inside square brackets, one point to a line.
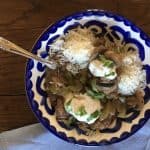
[98, 69]
[83, 100]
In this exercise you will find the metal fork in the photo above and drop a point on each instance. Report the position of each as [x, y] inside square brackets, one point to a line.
[13, 48]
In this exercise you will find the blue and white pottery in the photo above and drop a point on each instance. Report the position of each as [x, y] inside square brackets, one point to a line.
[101, 22]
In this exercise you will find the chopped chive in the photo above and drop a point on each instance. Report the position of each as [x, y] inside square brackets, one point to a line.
[95, 95]
[106, 62]
[69, 102]
[102, 58]
[90, 92]
[110, 74]
[94, 115]
[109, 64]
[81, 111]
[68, 106]
[93, 85]
[99, 96]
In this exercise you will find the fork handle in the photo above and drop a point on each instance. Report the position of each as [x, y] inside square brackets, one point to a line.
[13, 48]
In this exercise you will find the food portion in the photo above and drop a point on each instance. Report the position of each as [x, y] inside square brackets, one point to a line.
[96, 81]
[83, 107]
[79, 46]
[103, 67]
[131, 74]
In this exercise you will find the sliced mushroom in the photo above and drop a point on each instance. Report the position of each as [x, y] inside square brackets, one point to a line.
[107, 86]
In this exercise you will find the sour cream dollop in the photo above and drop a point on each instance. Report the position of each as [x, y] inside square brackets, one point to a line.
[83, 107]
[99, 69]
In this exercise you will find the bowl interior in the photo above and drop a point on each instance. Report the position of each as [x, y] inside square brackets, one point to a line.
[115, 28]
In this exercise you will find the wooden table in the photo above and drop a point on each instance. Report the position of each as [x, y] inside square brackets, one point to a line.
[22, 21]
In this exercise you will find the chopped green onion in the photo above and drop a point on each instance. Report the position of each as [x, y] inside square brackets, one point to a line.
[99, 96]
[68, 106]
[81, 111]
[94, 115]
[93, 85]
[106, 62]
[90, 92]
[69, 102]
[109, 64]
[110, 74]
[95, 95]
[102, 58]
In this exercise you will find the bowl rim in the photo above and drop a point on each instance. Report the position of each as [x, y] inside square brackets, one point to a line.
[29, 93]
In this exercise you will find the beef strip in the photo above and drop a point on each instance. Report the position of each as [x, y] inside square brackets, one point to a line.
[102, 124]
[61, 114]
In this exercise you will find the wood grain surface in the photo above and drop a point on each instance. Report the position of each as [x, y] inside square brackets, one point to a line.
[22, 21]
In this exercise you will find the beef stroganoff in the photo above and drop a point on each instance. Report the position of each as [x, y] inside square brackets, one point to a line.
[96, 81]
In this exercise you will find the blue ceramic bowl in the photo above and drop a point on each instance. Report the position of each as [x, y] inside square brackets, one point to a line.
[100, 22]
